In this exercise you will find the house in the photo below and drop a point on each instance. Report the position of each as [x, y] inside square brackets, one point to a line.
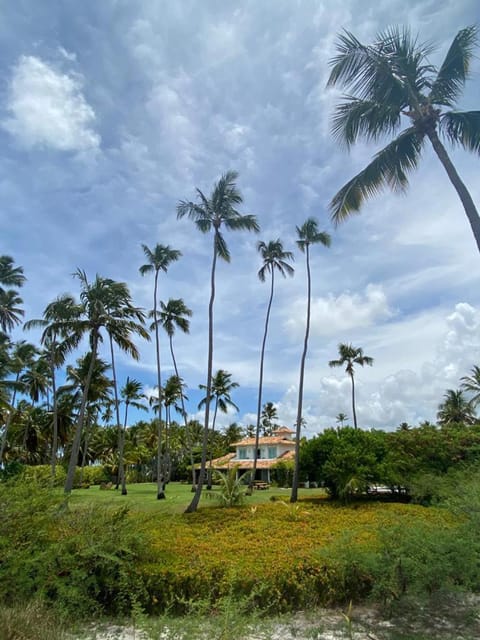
[280, 446]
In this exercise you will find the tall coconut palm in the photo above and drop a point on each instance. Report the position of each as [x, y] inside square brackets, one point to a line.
[340, 418]
[269, 415]
[12, 277]
[471, 384]
[308, 234]
[274, 258]
[95, 315]
[131, 394]
[350, 356]
[211, 214]
[158, 259]
[222, 387]
[456, 408]
[176, 314]
[393, 81]
[61, 310]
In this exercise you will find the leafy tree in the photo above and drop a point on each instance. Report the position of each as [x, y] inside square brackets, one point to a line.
[274, 258]
[391, 81]
[350, 356]
[308, 234]
[158, 259]
[222, 387]
[211, 214]
[471, 384]
[455, 408]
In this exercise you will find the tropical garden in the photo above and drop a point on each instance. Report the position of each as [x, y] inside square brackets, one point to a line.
[104, 516]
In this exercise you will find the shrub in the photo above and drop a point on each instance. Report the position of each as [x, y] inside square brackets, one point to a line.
[42, 475]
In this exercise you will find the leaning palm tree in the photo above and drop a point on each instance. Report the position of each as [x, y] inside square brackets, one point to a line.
[471, 384]
[274, 259]
[350, 356]
[176, 314]
[456, 408]
[95, 315]
[392, 81]
[222, 387]
[211, 214]
[158, 259]
[308, 234]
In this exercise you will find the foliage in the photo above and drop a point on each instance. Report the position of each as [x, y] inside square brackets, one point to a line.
[232, 488]
[41, 475]
[283, 473]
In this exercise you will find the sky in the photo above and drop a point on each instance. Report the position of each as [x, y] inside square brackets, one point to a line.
[111, 112]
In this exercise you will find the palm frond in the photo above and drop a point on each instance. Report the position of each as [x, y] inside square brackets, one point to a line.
[356, 118]
[462, 127]
[455, 68]
[221, 247]
[389, 168]
[246, 222]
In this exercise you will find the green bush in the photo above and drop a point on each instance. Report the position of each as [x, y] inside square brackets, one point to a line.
[42, 475]
[89, 476]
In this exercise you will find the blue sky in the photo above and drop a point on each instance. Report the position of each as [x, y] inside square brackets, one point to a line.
[113, 111]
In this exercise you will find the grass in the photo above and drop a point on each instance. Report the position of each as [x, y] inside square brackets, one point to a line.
[143, 497]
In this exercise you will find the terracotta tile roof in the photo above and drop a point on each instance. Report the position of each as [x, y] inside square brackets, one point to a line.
[264, 440]
[229, 461]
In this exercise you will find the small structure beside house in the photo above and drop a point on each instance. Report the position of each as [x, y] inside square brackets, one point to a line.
[280, 446]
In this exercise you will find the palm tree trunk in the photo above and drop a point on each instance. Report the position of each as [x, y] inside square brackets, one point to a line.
[461, 189]
[160, 485]
[295, 481]
[212, 434]
[81, 417]
[260, 386]
[86, 439]
[184, 413]
[121, 452]
[353, 402]
[117, 413]
[53, 458]
[203, 462]
[8, 422]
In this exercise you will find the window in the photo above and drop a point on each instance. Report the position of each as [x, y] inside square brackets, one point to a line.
[272, 452]
[242, 453]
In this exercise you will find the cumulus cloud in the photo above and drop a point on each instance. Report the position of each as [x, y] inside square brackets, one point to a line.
[332, 315]
[48, 109]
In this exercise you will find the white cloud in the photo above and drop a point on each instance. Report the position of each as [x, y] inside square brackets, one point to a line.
[47, 108]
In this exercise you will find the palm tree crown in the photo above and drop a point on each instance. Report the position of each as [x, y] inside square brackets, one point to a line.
[392, 81]
[456, 408]
[274, 258]
[350, 356]
[471, 383]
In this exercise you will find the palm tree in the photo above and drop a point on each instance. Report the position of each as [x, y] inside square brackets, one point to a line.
[222, 386]
[175, 313]
[308, 234]
[349, 356]
[456, 408]
[274, 259]
[211, 214]
[471, 383]
[158, 259]
[95, 314]
[269, 415]
[61, 310]
[390, 81]
[131, 394]
[340, 418]
[22, 356]
[10, 276]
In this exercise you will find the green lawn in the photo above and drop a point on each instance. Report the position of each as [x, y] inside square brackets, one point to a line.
[142, 497]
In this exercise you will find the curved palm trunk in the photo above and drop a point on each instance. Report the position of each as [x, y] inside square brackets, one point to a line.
[160, 483]
[81, 418]
[294, 495]
[260, 386]
[121, 451]
[203, 463]
[461, 189]
[353, 402]
[184, 413]
[117, 415]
